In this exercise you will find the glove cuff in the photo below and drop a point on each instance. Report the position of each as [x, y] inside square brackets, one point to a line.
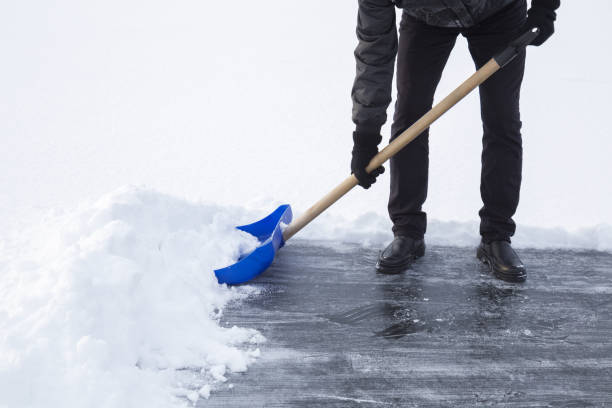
[548, 4]
[366, 137]
[368, 128]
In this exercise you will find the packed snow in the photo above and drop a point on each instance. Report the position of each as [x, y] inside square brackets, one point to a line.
[374, 230]
[116, 305]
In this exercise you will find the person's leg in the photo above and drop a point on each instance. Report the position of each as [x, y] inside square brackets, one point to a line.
[499, 101]
[422, 55]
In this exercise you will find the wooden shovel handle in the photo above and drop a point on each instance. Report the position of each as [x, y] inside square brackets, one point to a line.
[398, 143]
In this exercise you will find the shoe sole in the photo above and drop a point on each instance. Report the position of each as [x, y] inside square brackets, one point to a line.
[513, 278]
[396, 269]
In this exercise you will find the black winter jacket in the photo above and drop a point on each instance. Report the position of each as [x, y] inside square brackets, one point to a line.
[377, 48]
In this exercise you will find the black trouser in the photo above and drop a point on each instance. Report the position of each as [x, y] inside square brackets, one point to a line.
[423, 52]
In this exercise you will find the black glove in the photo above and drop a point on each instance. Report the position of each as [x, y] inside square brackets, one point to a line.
[542, 15]
[364, 148]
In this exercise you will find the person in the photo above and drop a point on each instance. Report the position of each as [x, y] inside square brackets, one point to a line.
[427, 33]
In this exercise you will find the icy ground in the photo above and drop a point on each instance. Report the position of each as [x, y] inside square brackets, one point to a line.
[443, 334]
[116, 305]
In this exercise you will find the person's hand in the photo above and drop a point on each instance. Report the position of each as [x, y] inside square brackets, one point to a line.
[365, 147]
[542, 15]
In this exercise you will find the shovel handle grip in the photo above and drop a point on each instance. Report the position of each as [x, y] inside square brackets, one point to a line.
[516, 46]
[413, 131]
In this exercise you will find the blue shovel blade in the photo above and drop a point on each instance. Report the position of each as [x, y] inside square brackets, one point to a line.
[268, 232]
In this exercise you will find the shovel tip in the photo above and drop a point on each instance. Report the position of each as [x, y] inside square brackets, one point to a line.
[268, 231]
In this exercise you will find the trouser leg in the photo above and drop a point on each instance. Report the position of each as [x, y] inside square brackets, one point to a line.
[502, 152]
[422, 54]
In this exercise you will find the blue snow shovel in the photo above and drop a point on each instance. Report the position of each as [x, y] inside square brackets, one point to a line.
[275, 229]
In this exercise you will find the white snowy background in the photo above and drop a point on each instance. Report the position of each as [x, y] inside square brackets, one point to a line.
[243, 104]
[250, 101]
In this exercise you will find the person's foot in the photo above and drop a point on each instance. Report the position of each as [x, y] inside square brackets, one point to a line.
[399, 254]
[502, 261]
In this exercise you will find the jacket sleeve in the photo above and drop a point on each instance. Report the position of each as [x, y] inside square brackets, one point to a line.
[375, 56]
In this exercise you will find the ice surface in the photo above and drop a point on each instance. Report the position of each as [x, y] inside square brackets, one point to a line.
[443, 334]
[116, 305]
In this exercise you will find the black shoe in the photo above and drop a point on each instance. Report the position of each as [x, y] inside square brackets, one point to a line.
[502, 261]
[399, 254]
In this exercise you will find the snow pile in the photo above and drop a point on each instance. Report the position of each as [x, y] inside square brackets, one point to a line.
[117, 305]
